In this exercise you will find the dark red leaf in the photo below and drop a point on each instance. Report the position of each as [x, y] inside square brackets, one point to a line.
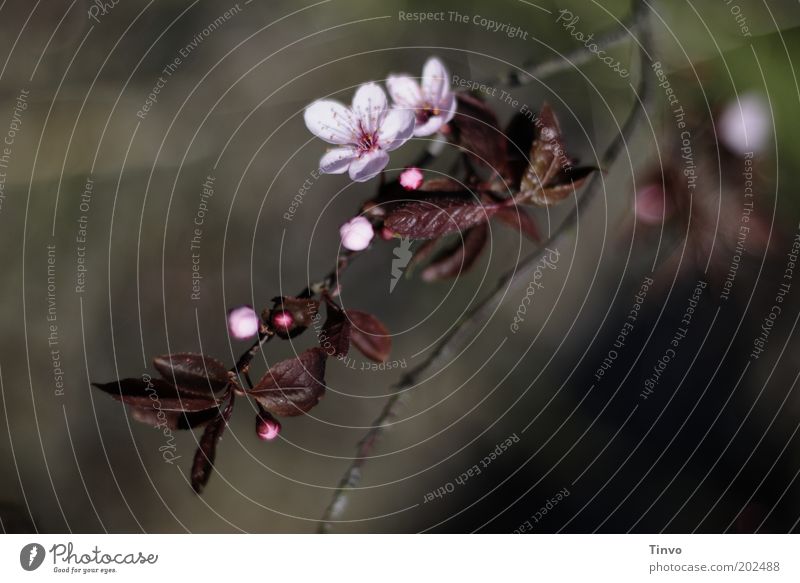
[203, 463]
[476, 130]
[429, 219]
[520, 134]
[194, 372]
[157, 394]
[458, 257]
[550, 176]
[334, 338]
[443, 185]
[369, 335]
[173, 419]
[292, 387]
[519, 219]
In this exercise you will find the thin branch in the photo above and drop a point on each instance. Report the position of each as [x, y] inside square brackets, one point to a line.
[462, 332]
[571, 59]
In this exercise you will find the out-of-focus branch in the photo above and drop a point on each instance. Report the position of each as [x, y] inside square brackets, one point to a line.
[460, 335]
[571, 59]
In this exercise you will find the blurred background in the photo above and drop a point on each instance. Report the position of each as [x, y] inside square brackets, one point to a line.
[108, 148]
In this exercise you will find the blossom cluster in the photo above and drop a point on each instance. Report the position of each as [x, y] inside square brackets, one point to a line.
[365, 132]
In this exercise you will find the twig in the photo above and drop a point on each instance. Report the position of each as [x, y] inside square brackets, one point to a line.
[462, 332]
[568, 62]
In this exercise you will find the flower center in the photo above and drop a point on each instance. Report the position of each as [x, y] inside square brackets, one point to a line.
[426, 112]
[366, 140]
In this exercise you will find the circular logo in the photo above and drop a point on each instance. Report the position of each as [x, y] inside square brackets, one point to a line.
[31, 556]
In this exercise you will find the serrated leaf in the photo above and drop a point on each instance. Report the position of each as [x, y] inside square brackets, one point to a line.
[370, 336]
[294, 386]
[203, 463]
[550, 177]
[156, 393]
[458, 257]
[194, 372]
[433, 218]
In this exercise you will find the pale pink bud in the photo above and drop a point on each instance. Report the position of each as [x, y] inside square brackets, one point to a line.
[411, 178]
[652, 207]
[356, 234]
[387, 234]
[267, 427]
[746, 124]
[243, 322]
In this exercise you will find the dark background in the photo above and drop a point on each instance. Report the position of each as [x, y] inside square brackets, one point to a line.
[712, 450]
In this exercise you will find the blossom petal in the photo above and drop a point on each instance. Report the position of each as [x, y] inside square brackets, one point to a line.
[404, 90]
[448, 106]
[435, 80]
[330, 121]
[368, 165]
[369, 106]
[397, 127]
[337, 160]
[429, 127]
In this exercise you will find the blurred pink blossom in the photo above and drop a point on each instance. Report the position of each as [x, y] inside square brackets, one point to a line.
[745, 124]
[356, 234]
[243, 322]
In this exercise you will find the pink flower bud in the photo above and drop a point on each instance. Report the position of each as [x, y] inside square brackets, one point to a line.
[746, 124]
[282, 319]
[652, 206]
[387, 234]
[411, 178]
[356, 234]
[267, 427]
[243, 322]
